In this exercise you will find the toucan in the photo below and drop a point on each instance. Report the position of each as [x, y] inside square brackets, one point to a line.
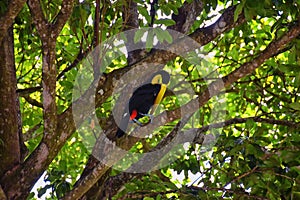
[144, 98]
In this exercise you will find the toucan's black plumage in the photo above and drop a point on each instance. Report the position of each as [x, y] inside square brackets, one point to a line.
[143, 99]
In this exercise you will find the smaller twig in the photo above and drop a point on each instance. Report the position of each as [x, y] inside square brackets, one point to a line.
[232, 192]
[153, 12]
[29, 134]
[29, 90]
[241, 176]
[81, 55]
[32, 101]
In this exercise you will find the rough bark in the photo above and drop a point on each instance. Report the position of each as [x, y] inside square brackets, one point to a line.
[7, 19]
[115, 183]
[39, 160]
[186, 16]
[9, 132]
[131, 21]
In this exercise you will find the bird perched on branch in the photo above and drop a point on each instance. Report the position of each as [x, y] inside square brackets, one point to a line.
[144, 98]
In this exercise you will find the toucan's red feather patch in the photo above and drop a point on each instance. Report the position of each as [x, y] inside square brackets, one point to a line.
[133, 114]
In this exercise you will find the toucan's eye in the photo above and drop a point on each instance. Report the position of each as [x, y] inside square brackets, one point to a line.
[157, 79]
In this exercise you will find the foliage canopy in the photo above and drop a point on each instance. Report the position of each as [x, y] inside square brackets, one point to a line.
[243, 75]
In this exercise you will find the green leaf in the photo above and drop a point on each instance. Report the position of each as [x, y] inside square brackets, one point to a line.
[166, 9]
[148, 198]
[150, 39]
[43, 190]
[173, 7]
[297, 80]
[143, 11]
[163, 35]
[166, 22]
[250, 124]
[253, 149]
[138, 35]
[249, 13]
[214, 4]
[238, 10]
[295, 105]
[31, 196]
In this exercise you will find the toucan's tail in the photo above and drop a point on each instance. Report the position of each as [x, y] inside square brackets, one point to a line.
[120, 133]
[123, 125]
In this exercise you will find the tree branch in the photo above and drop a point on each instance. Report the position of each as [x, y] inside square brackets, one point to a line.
[224, 23]
[7, 19]
[29, 90]
[187, 15]
[96, 38]
[39, 19]
[114, 184]
[48, 147]
[29, 134]
[153, 6]
[81, 55]
[131, 21]
[32, 101]
[62, 17]
[244, 120]
[9, 117]
[86, 183]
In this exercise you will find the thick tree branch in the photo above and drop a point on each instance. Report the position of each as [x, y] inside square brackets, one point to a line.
[9, 129]
[7, 19]
[224, 23]
[47, 149]
[39, 19]
[62, 17]
[89, 181]
[115, 183]
[187, 15]
[131, 21]
[42, 24]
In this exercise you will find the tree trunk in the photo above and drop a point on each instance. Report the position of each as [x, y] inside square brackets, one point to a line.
[9, 132]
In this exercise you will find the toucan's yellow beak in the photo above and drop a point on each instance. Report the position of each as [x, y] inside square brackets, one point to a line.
[159, 97]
